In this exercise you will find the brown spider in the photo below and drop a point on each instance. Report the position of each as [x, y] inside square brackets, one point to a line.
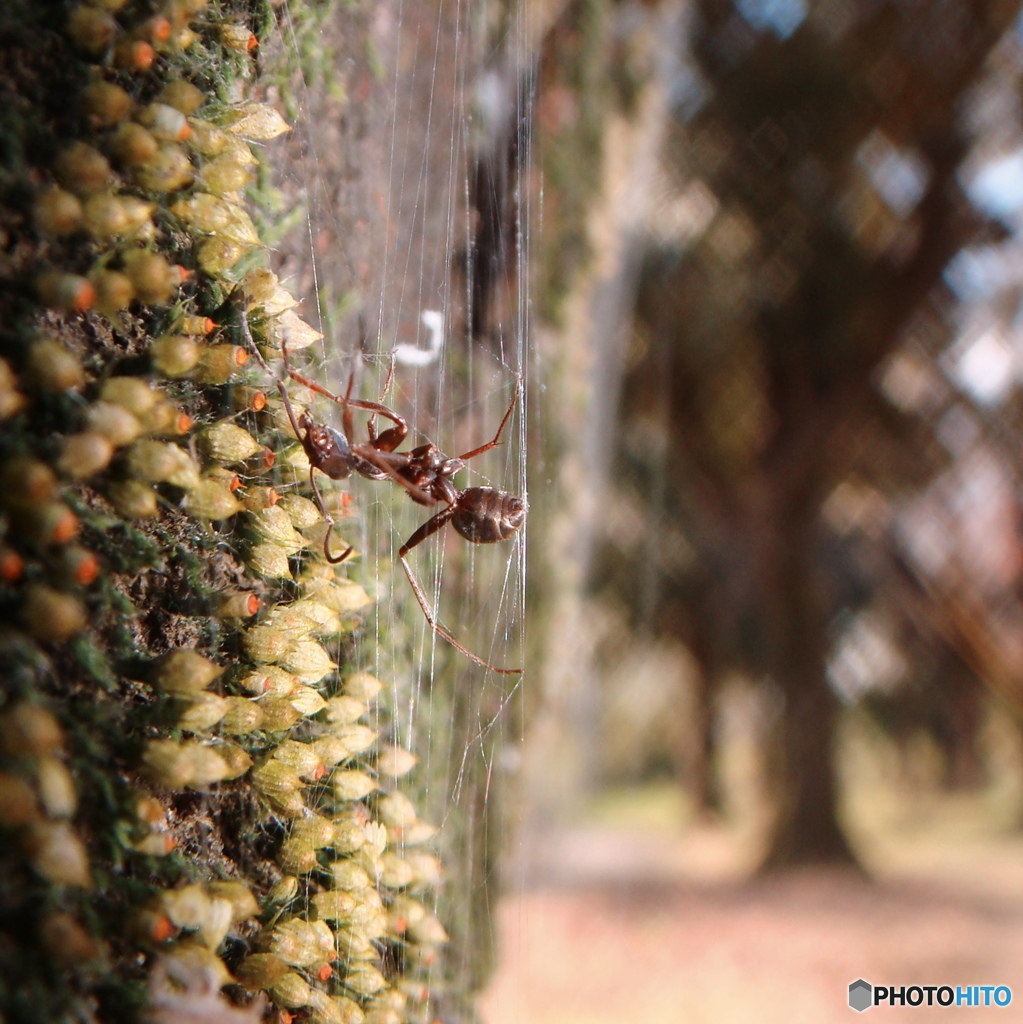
[482, 515]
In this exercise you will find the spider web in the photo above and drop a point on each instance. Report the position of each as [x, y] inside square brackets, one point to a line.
[411, 138]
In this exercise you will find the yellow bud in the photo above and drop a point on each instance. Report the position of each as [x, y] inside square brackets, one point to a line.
[218, 255]
[182, 96]
[219, 363]
[57, 212]
[206, 138]
[131, 393]
[306, 658]
[82, 169]
[134, 499]
[278, 714]
[175, 355]
[297, 857]
[133, 55]
[239, 895]
[167, 123]
[106, 217]
[185, 672]
[69, 293]
[259, 498]
[154, 279]
[352, 785]
[348, 837]
[379, 1013]
[52, 367]
[57, 854]
[265, 644]
[363, 687]
[56, 788]
[364, 980]
[132, 145]
[187, 907]
[427, 930]
[350, 876]
[67, 940]
[167, 171]
[29, 729]
[396, 810]
[18, 802]
[203, 713]
[352, 945]
[114, 291]
[225, 174]
[334, 905]
[242, 716]
[91, 29]
[105, 103]
[12, 401]
[236, 36]
[269, 561]
[426, 869]
[28, 480]
[306, 701]
[404, 911]
[296, 943]
[85, 454]
[331, 750]
[283, 891]
[314, 831]
[162, 462]
[276, 779]
[261, 970]
[184, 765]
[300, 511]
[270, 680]
[413, 835]
[228, 443]
[396, 872]
[273, 525]
[291, 990]
[51, 615]
[237, 760]
[302, 758]
[344, 710]
[211, 500]
[115, 423]
[356, 737]
[47, 523]
[395, 761]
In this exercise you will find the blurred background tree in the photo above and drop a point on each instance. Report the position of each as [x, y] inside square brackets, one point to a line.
[796, 459]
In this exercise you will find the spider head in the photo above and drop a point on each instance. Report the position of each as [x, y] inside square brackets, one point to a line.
[327, 449]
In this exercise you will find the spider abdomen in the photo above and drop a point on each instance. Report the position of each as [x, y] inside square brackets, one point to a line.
[485, 515]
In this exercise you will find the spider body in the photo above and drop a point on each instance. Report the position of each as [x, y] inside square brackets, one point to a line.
[485, 515]
[480, 515]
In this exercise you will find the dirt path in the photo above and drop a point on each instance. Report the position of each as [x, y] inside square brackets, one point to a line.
[647, 934]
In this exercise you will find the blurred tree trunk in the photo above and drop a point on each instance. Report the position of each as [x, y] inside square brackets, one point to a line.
[760, 338]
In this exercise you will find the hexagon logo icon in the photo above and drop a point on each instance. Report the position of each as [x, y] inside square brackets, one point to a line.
[860, 995]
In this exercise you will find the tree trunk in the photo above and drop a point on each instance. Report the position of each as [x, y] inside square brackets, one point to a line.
[807, 829]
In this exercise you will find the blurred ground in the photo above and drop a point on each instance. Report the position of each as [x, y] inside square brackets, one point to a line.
[647, 924]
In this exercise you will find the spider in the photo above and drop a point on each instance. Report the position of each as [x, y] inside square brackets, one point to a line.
[481, 515]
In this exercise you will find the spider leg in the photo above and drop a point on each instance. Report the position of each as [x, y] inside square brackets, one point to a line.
[250, 341]
[334, 560]
[430, 527]
[497, 437]
[379, 459]
[395, 434]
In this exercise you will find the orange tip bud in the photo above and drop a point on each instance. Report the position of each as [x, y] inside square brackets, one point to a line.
[134, 55]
